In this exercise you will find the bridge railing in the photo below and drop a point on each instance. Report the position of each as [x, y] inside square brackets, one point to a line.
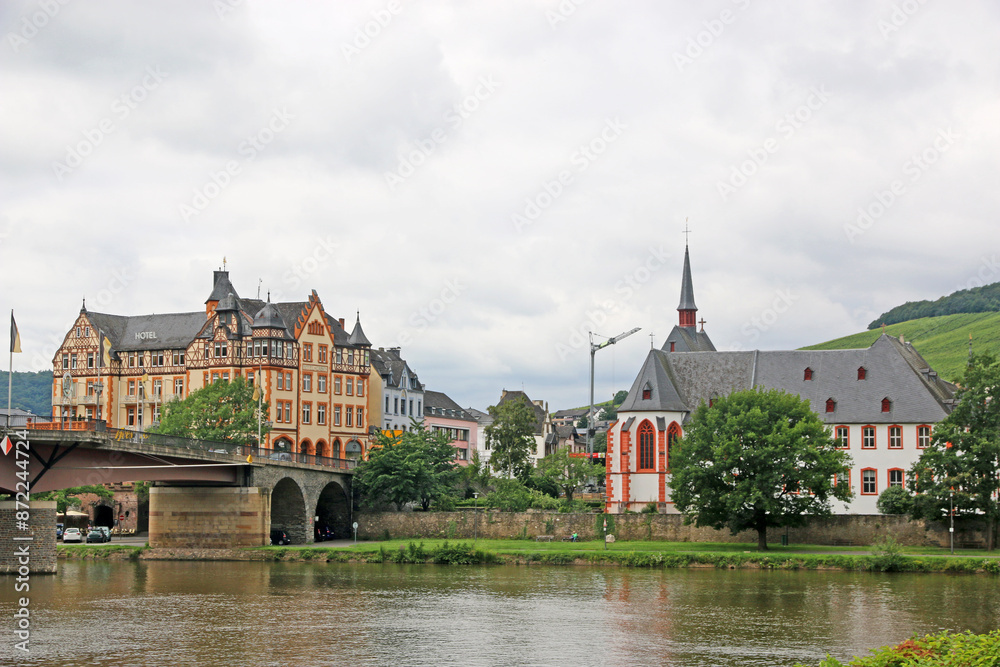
[179, 442]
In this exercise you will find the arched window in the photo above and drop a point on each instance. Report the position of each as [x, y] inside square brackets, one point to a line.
[673, 435]
[335, 453]
[647, 446]
[647, 392]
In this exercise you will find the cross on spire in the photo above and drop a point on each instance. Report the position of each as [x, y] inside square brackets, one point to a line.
[702, 323]
[686, 232]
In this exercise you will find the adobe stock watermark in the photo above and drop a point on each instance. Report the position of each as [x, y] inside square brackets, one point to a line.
[29, 25]
[422, 318]
[755, 326]
[562, 12]
[913, 168]
[249, 149]
[988, 273]
[786, 127]
[121, 108]
[625, 289]
[118, 282]
[223, 8]
[322, 253]
[363, 35]
[580, 160]
[706, 38]
[453, 119]
[900, 15]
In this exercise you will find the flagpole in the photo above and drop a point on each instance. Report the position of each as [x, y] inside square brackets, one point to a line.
[10, 367]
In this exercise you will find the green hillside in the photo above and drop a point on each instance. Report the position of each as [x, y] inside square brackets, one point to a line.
[974, 300]
[31, 391]
[942, 341]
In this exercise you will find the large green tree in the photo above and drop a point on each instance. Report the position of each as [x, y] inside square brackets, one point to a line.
[221, 412]
[568, 472]
[961, 467]
[416, 466]
[756, 459]
[69, 498]
[511, 437]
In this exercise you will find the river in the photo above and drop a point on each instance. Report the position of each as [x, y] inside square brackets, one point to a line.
[167, 613]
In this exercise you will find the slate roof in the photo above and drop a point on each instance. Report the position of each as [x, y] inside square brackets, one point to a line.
[687, 287]
[221, 286]
[436, 400]
[687, 339]
[358, 337]
[173, 330]
[269, 317]
[391, 366]
[680, 381]
[340, 337]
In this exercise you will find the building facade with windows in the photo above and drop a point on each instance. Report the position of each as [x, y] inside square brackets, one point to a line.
[441, 414]
[881, 404]
[313, 374]
[400, 397]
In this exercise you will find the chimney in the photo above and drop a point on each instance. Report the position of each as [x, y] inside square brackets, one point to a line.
[341, 320]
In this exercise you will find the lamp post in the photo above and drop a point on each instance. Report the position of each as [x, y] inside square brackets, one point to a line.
[951, 513]
[475, 523]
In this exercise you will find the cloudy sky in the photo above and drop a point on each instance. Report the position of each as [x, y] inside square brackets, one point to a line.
[486, 182]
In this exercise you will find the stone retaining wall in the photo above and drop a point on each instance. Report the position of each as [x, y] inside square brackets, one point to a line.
[857, 530]
[37, 554]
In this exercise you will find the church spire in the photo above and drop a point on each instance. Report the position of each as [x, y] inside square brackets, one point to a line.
[687, 309]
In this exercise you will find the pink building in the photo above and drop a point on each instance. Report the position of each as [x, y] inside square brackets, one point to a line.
[443, 414]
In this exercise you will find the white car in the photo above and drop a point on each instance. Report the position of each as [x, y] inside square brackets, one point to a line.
[72, 535]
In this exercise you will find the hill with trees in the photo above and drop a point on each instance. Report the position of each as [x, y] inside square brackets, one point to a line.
[31, 391]
[985, 299]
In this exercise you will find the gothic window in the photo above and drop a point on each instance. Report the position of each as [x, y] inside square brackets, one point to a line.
[647, 446]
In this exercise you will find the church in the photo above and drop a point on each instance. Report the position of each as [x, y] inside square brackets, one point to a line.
[880, 403]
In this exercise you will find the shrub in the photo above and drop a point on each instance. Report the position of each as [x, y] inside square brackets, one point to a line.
[541, 501]
[509, 495]
[886, 556]
[444, 503]
[894, 500]
[941, 649]
[650, 508]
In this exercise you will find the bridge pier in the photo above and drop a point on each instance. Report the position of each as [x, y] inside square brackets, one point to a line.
[208, 517]
[18, 554]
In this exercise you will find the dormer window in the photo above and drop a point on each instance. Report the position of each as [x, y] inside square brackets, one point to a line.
[862, 372]
[831, 405]
[808, 374]
[647, 392]
[673, 346]
[886, 405]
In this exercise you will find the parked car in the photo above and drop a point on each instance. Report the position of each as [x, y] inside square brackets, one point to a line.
[59, 531]
[281, 456]
[106, 531]
[279, 537]
[72, 535]
[95, 535]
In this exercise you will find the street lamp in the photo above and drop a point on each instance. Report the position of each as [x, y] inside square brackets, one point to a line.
[475, 523]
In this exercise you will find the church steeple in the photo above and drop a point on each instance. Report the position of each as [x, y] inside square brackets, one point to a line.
[687, 309]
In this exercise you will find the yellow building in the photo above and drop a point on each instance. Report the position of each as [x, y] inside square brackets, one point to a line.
[313, 374]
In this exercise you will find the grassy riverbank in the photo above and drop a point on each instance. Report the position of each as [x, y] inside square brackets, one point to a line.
[624, 554]
[938, 650]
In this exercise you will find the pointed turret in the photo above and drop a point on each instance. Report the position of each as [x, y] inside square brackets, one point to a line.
[358, 338]
[688, 311]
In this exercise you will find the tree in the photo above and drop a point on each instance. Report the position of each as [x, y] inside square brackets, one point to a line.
[894, 500]
[568, 472]
[601, 442]
[414, 466]
[221, 412]
[620, 397]
[68, 498]
[511, 437]
[961, 466]
[756, 459]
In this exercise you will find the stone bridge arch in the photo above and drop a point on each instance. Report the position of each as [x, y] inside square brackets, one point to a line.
[320, 494]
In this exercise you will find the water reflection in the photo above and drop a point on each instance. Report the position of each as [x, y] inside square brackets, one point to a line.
[182, 613]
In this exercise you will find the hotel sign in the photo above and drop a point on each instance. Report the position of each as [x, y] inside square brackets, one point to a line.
[145, 335]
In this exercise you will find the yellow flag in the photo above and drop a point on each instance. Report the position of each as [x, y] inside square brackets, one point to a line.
[256, 393]
[249, 458]
[15, 336]
[105, 350]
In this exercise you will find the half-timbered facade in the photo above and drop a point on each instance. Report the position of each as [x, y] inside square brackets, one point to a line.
[312, 373]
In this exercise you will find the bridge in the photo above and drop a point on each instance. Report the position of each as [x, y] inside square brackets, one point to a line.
[205, 494]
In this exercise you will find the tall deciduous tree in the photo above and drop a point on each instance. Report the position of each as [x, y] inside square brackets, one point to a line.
[511, 437]
[414, 466]
[568, 472]
[961, 467]
[222, 412]
[756, 459]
